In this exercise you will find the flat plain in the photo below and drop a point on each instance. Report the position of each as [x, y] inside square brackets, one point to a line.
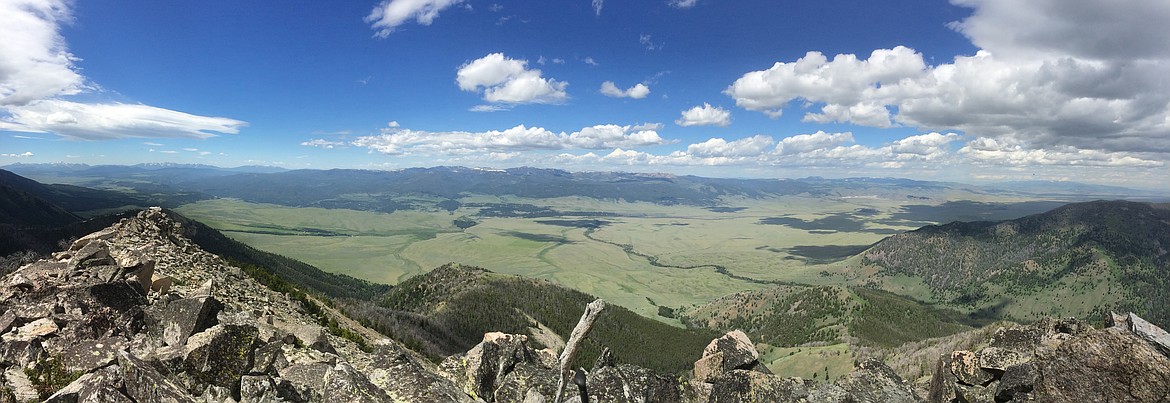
[638, 255]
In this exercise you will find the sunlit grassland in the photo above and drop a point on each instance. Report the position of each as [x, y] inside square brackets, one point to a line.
[822, 362]
[389, 248]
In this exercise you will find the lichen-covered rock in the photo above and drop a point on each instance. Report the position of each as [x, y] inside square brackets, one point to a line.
[177, 320]
[731, 351]
[1061, 360]
[479, 371]
[144, 384]
[343, 383]
[1110, 365]
[523, 378]
[127, 301]
[98, 386]
[1017, 383]
[628, 383]
[406, 378]
[751, 386]
[220, 355]
[998, 360]
[873, 381]
[966, 368]
[89, 355]
[18, 383]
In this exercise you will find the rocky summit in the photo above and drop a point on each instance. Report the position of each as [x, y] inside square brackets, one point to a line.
[136, 312]
[1062, 360]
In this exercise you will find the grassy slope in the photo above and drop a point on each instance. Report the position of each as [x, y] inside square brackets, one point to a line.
[449, 309]
[793, 315]
[1081, 260]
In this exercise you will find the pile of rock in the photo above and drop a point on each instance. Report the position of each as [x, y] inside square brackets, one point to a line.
[1060, 361]
[505, 368]
[730, 371]
[137, 313]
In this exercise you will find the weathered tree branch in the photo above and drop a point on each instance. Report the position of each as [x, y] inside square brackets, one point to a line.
[592, 311]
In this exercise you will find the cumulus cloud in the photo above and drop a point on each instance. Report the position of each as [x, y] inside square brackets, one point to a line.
[25, 154]
[817, 150]
[1012, 152]
[682, 3]
[718, 147]
[809, 142]
[705, 115]
[1050, 76]
[638, 91]
[401, 141]
[112, 121]
[388, 15]
[509, 81]
[844, 81]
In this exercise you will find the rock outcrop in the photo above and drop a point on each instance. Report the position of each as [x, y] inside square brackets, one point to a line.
[138, 313]
[1060, 361]
[730, 371]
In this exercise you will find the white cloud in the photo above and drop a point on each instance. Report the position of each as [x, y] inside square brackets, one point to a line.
[597, 6]
[717, 147]
[25, 154]
[802, 143]
[638, 91]
[844, 81]
[505, 80]
[400, 141]
[152, 144]
[34, 60]
[322, 143]
[490, 108]
[705, 115]
[1011, 152]
[1050, 76]
[646, 40]
[388, 15]
[36, 69]
[112, 121]
[682, 3]
[610, 136]
[589, 60]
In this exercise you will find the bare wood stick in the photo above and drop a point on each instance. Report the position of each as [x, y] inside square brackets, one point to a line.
[592, 311]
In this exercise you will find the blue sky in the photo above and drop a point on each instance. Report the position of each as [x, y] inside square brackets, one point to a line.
[970, 90]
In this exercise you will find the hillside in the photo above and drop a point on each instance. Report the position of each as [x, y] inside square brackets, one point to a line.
[450, 308]
[792, 315]
[1082, 259]
[18, 207]
[71, 198]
